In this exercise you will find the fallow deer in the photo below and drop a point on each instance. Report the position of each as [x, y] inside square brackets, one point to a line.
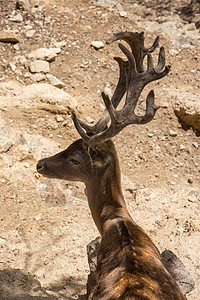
[128, 262]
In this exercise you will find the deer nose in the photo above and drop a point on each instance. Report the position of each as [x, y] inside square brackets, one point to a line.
[40, 166]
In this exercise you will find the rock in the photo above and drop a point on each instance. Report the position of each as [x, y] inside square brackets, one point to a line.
[37, 77]
[195, 144]
[55, 81]
[17, 18]
[60, 44]
[12, 67]
[182, 147]
[92, 249]
[89, 119]
[23, 4]
[178, 271]
[30, 33]
[8, 37]
[188, 112]
[48, 54]
[39, 66]
[59, 118]
[97, 45]
[172, 133]
[123, 13]
[41, 95]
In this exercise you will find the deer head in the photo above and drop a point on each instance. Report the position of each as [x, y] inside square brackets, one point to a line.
[89, 157]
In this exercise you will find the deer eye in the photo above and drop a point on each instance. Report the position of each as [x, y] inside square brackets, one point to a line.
[74, 161]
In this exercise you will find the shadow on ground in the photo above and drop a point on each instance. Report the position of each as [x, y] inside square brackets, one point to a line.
[16, 285]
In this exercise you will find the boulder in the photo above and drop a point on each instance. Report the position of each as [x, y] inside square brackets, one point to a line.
[188, 112]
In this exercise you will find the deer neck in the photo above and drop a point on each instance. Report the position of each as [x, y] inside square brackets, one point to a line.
[105, 197]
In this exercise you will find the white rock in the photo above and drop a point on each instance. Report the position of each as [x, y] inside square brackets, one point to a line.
[44, 54]
[30, 33]
[55, 81]
[39, 66]
[97, 44]
[12, 67]
[172, 133]
[59, 118]
[182, 147]
[89, 119]
[123, 13]
[60, 44]
[37, 77]
[17, 18]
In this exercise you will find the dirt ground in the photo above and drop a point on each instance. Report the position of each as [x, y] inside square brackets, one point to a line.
[46, 224]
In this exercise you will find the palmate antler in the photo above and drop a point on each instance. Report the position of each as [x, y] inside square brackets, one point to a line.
[132, 80]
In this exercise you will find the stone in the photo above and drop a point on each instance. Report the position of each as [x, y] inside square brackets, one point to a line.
[37, 77]
[55, 81]
[178, 271]
[195, 144]
[97, 44]
[123, 13]
[8, 37]
[12, 67]
[182, 147]
[89, 119]
[60, 44]
[17, 18]
[39, 66]
[23, 4]
[172, 133]
[30, 33]
[48, 54]
[187, 109]
[59, 118]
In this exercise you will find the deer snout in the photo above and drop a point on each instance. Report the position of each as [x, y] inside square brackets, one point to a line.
[40, 166]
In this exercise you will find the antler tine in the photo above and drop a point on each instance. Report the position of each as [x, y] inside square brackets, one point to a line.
[116, 98]
[136, 42]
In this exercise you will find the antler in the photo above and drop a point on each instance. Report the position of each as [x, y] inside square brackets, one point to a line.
[132, 80]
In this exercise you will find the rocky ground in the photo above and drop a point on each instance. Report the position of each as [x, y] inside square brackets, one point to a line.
[45, 224]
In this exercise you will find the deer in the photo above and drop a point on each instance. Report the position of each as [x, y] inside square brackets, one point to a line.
[128, 262]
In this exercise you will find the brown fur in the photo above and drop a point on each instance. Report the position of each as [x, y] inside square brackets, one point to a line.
[129, 265]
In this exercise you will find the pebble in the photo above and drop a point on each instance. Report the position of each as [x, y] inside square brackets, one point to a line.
[123, 13]
[97, 44]
[12, 67]
[172, 133]
[89, 119]
[190, 180]
[55, 81]
[17, 18]
[59, 118]
[30, 33]
[195, 144]
[182, 147]
[38, 217]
